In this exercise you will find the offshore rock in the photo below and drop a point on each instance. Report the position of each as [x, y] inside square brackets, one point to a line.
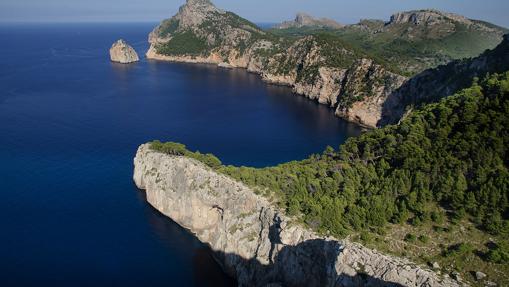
[121, 52]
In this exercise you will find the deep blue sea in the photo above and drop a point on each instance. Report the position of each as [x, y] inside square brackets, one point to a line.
[70, 124]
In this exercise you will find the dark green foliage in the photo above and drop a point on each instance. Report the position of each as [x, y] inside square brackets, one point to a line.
[184, 43]
[460, 250]
[178, 149]
[170, 148]
[499, 253]
[451, 154]
[410, 238]
[423, 238]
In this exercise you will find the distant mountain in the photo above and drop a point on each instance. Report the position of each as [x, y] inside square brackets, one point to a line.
[321, 67]
[417, 40]
[305, 20]
[357, 70]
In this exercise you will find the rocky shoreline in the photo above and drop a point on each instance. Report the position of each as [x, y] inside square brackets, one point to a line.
[351, 83]
[325, 90]
[257, 243]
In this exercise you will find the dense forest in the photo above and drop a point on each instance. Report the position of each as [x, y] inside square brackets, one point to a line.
[447, 161]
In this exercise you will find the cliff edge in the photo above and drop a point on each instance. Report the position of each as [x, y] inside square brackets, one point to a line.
[253, 240]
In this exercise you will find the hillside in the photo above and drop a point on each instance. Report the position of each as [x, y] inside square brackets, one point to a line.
[360, 78]
[433, 84]
[416, 40]
[434, 188]
[320, 67]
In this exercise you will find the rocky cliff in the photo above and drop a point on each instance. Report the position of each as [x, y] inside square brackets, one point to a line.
[254, 241]
[433, 84]
[319, 67]
[305, 20]
[121, 52]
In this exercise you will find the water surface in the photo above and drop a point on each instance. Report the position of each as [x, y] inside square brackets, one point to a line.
[70, 123]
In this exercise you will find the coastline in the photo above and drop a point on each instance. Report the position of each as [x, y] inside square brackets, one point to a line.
[253, 240]
[366, 114]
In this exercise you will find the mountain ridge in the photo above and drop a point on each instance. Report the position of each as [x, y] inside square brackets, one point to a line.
[305, 20]
[326, 67]
[320, 67]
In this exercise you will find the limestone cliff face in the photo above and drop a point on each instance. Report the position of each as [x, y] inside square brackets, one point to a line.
[121, 52]
[253, 240]
[318, 67]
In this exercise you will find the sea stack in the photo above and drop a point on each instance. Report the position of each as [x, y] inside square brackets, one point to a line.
[121, 52]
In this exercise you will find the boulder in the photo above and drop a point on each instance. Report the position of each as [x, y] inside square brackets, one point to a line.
[479, 275]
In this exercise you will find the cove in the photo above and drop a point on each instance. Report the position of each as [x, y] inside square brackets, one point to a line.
[70, 123]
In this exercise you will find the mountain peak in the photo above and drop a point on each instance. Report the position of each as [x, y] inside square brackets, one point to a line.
[199, 2]
[306, 20]
[194, 12]
[426, 17]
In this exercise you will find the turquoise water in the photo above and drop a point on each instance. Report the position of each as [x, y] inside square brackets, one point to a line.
[70, 123]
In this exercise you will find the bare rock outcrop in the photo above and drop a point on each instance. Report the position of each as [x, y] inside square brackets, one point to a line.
[121, 52]
[257, 243]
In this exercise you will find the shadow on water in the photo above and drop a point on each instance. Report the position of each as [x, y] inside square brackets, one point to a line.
[206, 272]
[308, 264]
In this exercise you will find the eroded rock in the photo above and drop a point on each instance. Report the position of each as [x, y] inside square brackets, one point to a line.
[121, 52]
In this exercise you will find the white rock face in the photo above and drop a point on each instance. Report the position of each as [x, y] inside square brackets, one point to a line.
[121, 52]
[254, 241]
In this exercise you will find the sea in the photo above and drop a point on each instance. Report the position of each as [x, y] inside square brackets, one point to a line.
[70, 124]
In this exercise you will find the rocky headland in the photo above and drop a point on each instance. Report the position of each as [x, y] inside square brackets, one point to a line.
[121, 52]
[254, 241]
[322, 67]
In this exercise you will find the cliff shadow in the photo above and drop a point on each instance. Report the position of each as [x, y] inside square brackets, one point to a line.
[427, 86]
[311, 263]
[308, 264]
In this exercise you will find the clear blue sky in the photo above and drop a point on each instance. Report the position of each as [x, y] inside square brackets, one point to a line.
[346, 11]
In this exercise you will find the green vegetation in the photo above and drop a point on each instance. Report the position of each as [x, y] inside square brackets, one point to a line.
[434, 188]
[499, 253]
[184, 43]
[168, 27]
[451, 155]
[408, 48]
[416, 48]
[178, 149]
[448, 156]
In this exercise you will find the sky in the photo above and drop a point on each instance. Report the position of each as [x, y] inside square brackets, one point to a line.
[259, 11]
